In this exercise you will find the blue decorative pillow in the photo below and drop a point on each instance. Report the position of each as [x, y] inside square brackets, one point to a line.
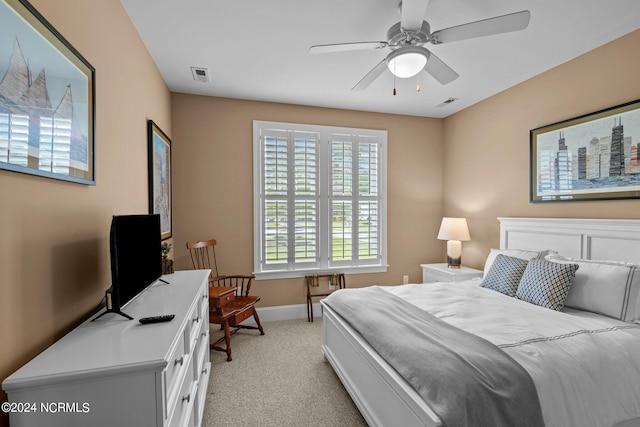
[505, 274]
[546, 283]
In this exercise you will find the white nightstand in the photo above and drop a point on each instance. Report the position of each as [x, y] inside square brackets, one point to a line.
[441, 273]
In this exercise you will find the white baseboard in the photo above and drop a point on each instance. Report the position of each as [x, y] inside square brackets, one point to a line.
[285, 312]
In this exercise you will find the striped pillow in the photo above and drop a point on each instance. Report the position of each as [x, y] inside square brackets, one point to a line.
[605, 287]
[546, 283]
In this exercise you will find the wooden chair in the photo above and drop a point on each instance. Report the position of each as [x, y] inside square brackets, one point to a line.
[312, 280]
[230, 313]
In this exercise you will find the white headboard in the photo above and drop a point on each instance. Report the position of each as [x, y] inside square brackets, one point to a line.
[602, 239]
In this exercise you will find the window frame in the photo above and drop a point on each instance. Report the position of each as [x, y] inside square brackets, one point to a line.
[324, 197]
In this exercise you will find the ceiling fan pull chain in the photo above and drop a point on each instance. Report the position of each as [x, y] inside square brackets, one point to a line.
[418, 88]
[394, 79]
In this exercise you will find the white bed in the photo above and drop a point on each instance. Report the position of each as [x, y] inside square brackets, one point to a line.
[386, 399]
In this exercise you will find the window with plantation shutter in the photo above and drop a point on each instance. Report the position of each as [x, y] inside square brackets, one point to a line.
[319, 199]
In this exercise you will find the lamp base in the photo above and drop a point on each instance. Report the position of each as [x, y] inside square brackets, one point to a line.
[454, 253]
[454, 262]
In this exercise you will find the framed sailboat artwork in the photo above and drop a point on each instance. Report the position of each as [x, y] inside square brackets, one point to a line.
[47, 99]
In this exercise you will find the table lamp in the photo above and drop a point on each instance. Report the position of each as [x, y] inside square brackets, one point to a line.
[454, 231]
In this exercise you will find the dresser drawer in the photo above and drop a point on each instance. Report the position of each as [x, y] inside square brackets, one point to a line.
[175, 364]
[441, 273]
[438, 276]
[204, 309]
[196, 320]
[186, 398]
[201, 396]
[203, 302]
[201, 352]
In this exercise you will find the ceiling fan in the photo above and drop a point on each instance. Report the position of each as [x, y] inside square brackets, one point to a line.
[407, 38]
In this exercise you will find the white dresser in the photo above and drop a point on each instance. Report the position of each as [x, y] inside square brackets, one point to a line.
[118, 372]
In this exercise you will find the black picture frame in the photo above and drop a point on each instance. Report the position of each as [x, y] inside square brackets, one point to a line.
[591, 157]
[47, 99]
[159, 164]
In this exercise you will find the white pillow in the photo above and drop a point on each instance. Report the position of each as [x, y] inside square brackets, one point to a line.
[516, 253]
[605, 287]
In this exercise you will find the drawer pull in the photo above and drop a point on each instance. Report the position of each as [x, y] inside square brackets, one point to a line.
[195, 319]
[205, 296]
[204, 371]
[187, 398]
[180, 361]
[204, 334]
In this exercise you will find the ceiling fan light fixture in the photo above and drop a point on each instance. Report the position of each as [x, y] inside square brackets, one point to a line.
[407, 61]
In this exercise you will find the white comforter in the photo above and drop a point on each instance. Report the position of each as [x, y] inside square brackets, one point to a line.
[586, 367]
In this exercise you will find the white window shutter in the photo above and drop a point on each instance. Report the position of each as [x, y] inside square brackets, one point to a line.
[319, 199]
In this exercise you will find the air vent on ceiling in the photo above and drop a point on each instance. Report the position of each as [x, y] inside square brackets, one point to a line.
[447, 101]
[200, 74]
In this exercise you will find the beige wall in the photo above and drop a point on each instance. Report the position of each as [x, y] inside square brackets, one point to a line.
[213, 185]
[487, 145]
[485, 173]
[54, 261]
[54, 253]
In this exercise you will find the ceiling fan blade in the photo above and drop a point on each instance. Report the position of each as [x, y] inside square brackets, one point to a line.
[371, 76]
[439, 70]
[343, 47]
[413, 12]
[486, 27]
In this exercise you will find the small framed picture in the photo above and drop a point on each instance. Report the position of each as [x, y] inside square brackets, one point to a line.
[160, 177]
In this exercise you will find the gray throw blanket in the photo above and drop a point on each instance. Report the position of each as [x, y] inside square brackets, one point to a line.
[465, 379]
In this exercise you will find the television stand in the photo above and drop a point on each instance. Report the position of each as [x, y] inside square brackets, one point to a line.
[118, 373]
[110, 309]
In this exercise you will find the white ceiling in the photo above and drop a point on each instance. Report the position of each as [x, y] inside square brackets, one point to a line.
[258, 49]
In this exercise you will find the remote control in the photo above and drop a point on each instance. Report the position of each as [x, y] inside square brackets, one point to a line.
[156, 319]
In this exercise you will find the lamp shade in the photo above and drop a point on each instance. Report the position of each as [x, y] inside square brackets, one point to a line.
[407, 61]
[454, 229]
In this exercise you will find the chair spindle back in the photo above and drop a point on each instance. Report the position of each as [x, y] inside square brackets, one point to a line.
[203, 256]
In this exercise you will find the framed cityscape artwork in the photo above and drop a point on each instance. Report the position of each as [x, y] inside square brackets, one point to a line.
[591, 157]
[47, 99]
[160, 177]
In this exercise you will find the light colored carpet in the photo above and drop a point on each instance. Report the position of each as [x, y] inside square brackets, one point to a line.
[279, 379]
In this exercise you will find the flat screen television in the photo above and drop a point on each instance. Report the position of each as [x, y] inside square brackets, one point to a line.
[136, 258]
